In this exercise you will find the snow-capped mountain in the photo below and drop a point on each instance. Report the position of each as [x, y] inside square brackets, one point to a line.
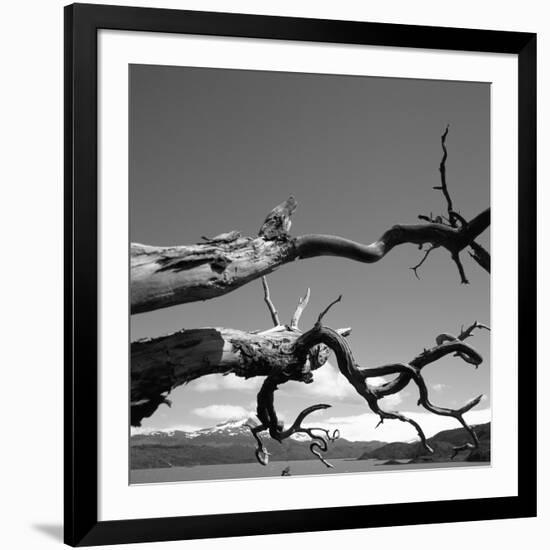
[231, 428]
[235, 429]
[227, 442]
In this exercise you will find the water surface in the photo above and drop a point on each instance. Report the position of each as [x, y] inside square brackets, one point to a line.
[274, 469]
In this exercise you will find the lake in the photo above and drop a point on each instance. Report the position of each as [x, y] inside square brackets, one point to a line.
[274, 469]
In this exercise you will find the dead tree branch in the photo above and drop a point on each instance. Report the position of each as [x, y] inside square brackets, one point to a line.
[159, 365]
[269, 303]
[270, 422]
[282, 354]
[478, 253]
[443, 172]
[167, 276]
[419, 264]
[327, 309]
[358, 378]
[302, 304]
[481, 256]
[466, 333]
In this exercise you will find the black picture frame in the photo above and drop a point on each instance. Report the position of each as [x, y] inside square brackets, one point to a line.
[82, 22]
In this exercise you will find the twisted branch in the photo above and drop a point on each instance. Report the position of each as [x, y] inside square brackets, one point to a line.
[435, 233]
[424, 401]
[443, 172]
[269, 421]
[168, 276]
[320, 335]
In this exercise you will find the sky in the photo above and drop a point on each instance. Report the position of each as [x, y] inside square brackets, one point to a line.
[213, 150]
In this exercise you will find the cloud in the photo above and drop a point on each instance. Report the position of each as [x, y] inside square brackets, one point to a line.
[375, 381]
[328, 382]
[439, 387]
[390, 402]
[362, 427]
[217, 382]
[222, 412]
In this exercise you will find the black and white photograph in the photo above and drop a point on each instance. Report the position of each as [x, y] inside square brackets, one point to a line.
[309, 274]
[274, 274]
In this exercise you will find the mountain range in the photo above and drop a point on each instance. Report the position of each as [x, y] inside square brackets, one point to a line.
[227, 443]
[442, 443]
[231, 442]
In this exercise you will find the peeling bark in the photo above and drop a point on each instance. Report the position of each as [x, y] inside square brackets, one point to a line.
[158, 365]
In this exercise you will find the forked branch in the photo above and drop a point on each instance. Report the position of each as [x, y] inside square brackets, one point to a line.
[454, 220]
[302, 304]
[320, 335]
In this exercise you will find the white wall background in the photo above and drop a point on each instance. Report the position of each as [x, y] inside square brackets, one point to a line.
[31, 273]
